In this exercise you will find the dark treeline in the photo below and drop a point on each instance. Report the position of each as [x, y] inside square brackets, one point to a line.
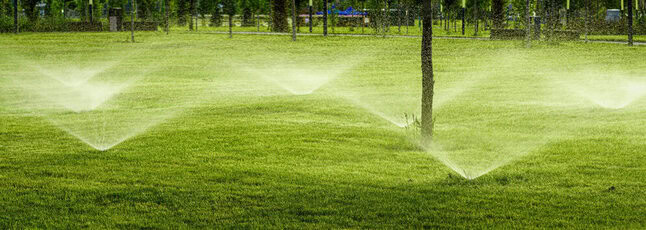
[275, 13]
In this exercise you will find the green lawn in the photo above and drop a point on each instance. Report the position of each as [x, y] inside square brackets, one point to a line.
[262, 132]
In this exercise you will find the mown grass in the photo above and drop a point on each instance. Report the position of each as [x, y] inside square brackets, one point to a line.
[244, 153]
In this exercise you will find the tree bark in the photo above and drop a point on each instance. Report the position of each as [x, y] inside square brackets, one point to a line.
[294, 20]
[324, 17]
[528, 29]
[279, 16]
[428, 82]
[132, 20]
[167, 5]
[476, 18]
[399, 17]
[630, 22]
[15, 16]
[464, 12]
[587, 19]
[191, 12]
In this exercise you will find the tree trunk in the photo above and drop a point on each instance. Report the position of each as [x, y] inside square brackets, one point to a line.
[279, 16]
[15, 16]
[528, 29]
[132, 20]
[191, 12]
[324, 17]
[310, 16]
[427, 73]
[464, 14]
[630, 22]
[553, 19]
[166, 8]
[587, 19]
[476, 18]
[399, 17]
[230, 25]
[294, 20]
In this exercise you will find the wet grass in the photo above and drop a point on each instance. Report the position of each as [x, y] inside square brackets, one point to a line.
[244, 153]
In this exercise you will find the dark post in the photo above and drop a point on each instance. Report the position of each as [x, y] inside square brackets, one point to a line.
[476, 12]
[311, 19]
[427, 73]
[132, 20]
[166, 5]
[293, 20]
[587, 18]
[90, 11]
[15, 16]
[630, 22]
[324, 17]
[197, 20]
[399, 17]
[528, 26]
[464, 12]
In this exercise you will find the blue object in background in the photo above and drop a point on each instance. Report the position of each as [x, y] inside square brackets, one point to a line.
[348, 11]
[613, 15]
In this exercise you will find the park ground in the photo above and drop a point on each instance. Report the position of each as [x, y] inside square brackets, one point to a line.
[243, 150]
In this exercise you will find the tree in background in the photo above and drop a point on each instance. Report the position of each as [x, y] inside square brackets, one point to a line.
[279, 16]
[56, 9]
[205, 7]
[191, 13]
[428, 81]
[475, 8]
[30, 9]
[258, 7]
[182, 11]
[520, 9]
[630, 7]
[498, 13]
[145, 9]
[6, 8]
[247, 12]
[230, 7]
